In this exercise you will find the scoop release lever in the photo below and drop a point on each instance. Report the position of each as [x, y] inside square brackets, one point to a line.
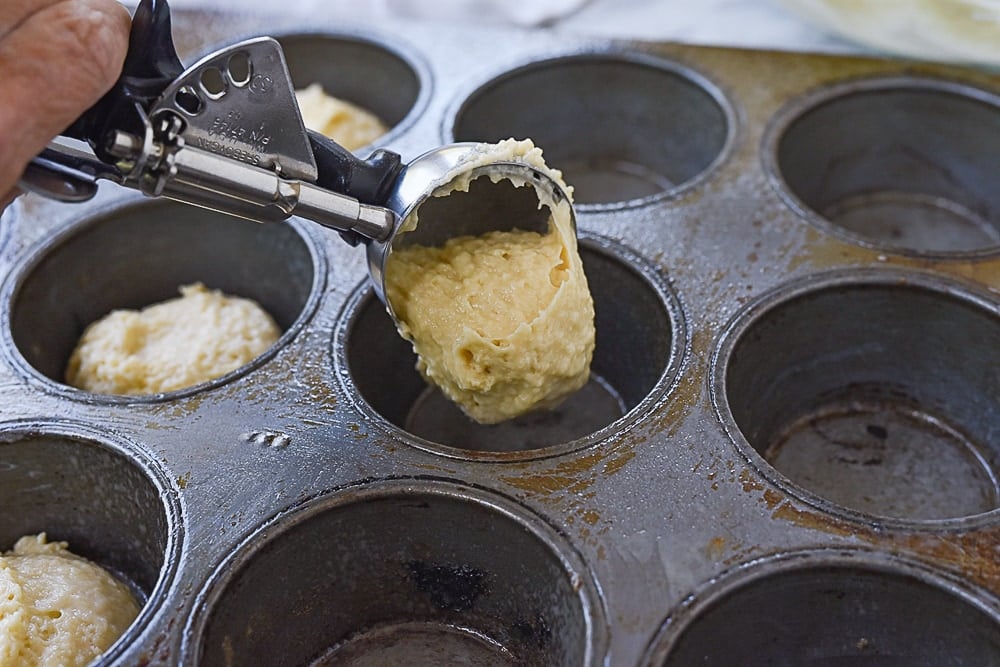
[224, 134]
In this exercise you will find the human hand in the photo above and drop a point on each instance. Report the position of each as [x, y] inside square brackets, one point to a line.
[57, 58]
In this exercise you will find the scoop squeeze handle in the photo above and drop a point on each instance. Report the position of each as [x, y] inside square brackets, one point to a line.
[370, 181]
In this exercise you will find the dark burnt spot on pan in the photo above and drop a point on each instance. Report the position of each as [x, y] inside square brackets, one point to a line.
[450, 587]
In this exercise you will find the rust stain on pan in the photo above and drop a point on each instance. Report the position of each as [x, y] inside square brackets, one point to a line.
[688, 392]
[772, 498]
[987, 273]
[719, 547]
[578, 474]
[820, 251]
[616, 464]
[716, 548]
[789, 75]
[749, 483]
[542, 483]
[815, 521]
[827, 253]
[564, 475]
[180, 409]
[974, 554]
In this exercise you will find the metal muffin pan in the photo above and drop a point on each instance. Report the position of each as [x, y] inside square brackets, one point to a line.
[789, 451]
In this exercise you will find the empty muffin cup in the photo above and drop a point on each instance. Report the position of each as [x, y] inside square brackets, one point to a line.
[111, 505]
[640, 341]
[402, 572]
[138, 254]
[872, 390]
[903, 164]
[363, 71]
[832, 610]
[621, 127]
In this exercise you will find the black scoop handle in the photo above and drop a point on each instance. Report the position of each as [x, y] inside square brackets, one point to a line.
[151, 65]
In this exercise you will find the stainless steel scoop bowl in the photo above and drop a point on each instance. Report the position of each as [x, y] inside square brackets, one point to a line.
[501, 196]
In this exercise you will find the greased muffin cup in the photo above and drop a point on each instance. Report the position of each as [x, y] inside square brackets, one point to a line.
[788, 448]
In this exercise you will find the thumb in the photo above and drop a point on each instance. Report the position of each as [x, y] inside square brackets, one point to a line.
[55, 64]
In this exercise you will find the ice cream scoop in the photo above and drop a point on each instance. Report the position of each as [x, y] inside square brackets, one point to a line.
[226, 134]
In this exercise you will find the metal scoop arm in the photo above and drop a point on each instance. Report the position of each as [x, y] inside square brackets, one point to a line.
[224, 134]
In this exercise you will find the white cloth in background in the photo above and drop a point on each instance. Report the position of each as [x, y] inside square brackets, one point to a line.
[529, 14]
[965, 31]
[525, 14]
[761, 24]
[962, 31]
[748, 23]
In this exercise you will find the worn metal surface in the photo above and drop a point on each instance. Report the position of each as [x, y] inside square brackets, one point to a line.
[750, 356]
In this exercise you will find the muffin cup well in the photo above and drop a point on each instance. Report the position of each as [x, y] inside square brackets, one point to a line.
[112, 505]
[639, 347]
[902, 164]
[405, 567]
[139, 254]
[831, 608]
[361, 70]
[623, 128]
[870, 390]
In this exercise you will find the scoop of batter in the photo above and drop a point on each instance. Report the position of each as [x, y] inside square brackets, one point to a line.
[58, 609]
[348, 124]
[180, 342]
[503, 323]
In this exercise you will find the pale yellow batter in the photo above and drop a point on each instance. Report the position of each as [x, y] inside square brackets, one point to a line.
[348, 124]
[197, 337]
[502, 323]
[58, 609]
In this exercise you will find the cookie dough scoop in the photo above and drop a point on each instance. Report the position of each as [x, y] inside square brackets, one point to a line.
[227, 134]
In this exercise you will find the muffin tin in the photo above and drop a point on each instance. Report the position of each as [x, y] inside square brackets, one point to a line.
[788, 453]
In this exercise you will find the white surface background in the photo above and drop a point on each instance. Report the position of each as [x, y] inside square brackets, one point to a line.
[749, 23]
